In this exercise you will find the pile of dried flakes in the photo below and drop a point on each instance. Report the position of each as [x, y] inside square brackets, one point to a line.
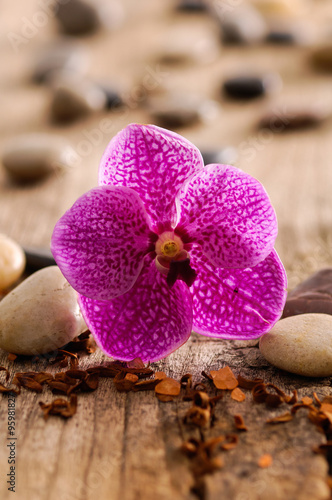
[135, 376]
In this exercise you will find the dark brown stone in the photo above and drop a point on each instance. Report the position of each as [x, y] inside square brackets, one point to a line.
[313, 295]
[292, 120]
[77, 17]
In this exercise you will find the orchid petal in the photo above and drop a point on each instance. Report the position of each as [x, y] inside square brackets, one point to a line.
[150, 321]
[100, 242]
[155, 163]
[228, 213]
[237, 303]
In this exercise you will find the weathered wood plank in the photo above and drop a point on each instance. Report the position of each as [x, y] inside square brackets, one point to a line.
[127, 445]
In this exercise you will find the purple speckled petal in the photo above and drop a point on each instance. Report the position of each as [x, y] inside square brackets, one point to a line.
[237, 303]
[100, 242]
[150, 321]
[228, 213]
[155, 163]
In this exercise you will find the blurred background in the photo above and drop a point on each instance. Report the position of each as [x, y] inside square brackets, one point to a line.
[248, 82]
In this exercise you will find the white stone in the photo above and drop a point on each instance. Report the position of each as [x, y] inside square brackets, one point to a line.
[30, 157]
[12, 261]
[300, 344]
[40, 315]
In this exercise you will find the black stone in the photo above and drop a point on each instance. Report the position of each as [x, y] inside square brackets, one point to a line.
[38, 258]
[192, 6]
[244, 87]
[113, 99]
[281, 38]
[313, 295]
[227, 155]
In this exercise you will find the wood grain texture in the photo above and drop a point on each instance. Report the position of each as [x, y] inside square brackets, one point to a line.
[126, 446]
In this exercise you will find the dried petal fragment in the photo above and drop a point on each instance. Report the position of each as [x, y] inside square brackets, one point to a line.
[231, 442]
[160, 375]
[198, 416]
[6, 390]
[186, 381]
[58, 387]
[43, 377]
[60, 407]
[135, 363]
[205, 466]
[224, 378]
[168, 387]
[317, 400]
[306, 400]
[246, 383]
[3, 369]
[77, 374]
[27, 381]
[124, 382]
[145, 385]
[265, 461]
[239, 423]
[285, 417]
[201, 399]
[238, 395]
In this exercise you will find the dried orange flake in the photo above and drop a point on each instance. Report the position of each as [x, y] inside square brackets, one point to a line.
[265, 461]
[238, 395]
[168, 387]
[224, 378]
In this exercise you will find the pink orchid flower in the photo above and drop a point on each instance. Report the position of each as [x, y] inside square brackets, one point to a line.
[165, 245]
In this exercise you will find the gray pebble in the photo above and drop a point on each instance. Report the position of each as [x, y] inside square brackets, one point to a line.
[181, 110]
[300, 344]
[74, 98]
[31, 157]
[40, 315]
[60, 57]
[242, 25]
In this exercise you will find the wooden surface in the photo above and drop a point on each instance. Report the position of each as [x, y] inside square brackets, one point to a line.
[127, 446]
